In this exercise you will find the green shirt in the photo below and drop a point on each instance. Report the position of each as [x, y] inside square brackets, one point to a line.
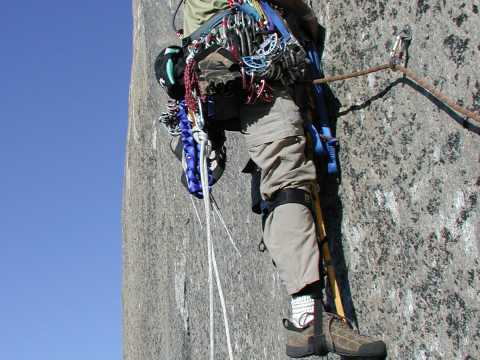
[196, 12]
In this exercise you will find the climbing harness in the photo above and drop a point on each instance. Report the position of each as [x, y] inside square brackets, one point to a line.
[251, 35]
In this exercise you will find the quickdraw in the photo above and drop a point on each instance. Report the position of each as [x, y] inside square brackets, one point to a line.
[169, 118]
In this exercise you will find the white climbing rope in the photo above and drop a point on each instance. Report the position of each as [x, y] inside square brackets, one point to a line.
[196, 212]
[212, 263]
[224, 308]
[206, 202]
[222, 220]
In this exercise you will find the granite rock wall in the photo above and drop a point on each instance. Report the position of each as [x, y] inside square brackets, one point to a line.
[403, 220]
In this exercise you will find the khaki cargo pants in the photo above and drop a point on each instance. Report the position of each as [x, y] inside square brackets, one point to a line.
[276, 143]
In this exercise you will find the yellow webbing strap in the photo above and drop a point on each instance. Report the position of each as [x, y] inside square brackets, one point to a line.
[258, 7]
[327, 259]
[325, 250]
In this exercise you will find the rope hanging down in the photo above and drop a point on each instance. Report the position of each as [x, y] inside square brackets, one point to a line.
[212, 263]
[396, 57]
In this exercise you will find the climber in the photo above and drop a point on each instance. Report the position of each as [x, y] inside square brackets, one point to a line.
[273, 130]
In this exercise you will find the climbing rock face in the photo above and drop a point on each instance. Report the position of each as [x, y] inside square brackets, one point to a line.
[403, 220]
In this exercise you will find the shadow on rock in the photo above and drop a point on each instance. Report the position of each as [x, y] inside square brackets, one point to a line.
[332, 209]
[469, 125]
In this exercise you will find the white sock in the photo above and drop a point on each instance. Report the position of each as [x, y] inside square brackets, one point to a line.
[302, 310]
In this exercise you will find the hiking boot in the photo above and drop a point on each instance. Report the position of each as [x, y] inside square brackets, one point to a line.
[332, 335]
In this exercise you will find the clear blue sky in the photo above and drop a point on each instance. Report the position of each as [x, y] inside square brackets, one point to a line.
[65, 69]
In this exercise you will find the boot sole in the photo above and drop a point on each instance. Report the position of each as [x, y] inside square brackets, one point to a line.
[302, 351]
[350, 357]
[299, 352]
[305, 351]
